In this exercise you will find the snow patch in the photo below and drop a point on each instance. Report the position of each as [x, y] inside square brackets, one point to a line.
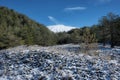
[60, 28]
[113, 61]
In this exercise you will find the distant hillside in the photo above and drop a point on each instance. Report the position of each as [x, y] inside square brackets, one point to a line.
[18, 29]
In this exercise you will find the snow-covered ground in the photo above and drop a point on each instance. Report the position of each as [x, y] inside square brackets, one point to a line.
[61, 62]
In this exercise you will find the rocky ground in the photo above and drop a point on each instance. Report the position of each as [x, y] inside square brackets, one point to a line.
[62, 62]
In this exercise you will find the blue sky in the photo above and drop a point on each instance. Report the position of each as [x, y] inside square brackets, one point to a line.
[77, 13]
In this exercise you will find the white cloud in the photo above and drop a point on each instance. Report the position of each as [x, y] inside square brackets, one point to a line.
[100, 2]
[75, 8]
[53, 19]
[104, 1]
[60, 28]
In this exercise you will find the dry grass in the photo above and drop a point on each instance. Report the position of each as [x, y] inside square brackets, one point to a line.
[90, 49]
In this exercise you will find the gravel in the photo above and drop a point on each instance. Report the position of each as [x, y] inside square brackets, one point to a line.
[60, 62]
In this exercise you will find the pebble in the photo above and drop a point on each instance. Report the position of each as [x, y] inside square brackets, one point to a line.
[60, 62]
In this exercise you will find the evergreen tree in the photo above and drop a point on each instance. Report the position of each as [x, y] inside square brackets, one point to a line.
[108, 24]
[17, 29]
[89, 41]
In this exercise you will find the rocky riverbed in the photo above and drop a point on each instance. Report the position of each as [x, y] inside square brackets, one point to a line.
[62, 62]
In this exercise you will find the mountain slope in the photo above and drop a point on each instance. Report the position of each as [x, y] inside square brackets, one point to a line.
[18, 29]
[60, 28]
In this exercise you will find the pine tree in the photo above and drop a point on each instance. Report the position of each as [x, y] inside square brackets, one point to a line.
[89, 42]
[109, 28]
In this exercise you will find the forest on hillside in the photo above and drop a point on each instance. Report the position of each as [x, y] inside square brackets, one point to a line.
[17, 29]
[107, 31]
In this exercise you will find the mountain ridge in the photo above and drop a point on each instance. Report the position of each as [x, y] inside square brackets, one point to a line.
[60, 28]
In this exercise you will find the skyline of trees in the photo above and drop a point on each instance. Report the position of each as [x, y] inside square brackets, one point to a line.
[17, 29]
